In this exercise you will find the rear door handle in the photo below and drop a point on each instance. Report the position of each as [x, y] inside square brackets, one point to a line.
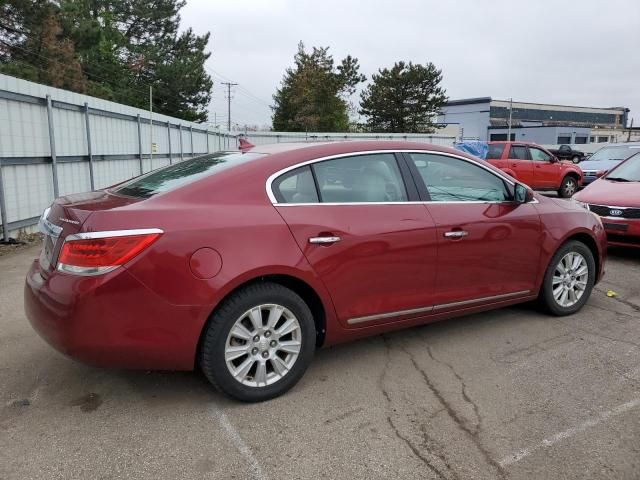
[456, 234]
[324, 240]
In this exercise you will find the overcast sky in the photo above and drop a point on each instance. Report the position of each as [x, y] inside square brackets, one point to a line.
[567, 52]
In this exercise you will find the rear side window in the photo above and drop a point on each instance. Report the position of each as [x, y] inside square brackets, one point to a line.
[182, 173]
[360, 179]
[495, 151]
[450, 179]
[519, 153]
[296, 186]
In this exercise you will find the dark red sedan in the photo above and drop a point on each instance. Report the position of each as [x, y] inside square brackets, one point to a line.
[616, 198]
[243, 263]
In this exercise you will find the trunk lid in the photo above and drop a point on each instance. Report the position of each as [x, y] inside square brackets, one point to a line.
[67, 215]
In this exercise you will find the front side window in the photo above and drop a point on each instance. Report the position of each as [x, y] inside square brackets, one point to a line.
[538, 155]
[359, 179]
[450, 179]
[518, 153]
[296, 186]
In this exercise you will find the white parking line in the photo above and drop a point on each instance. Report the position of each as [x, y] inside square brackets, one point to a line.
[558, 437]
[242, 447]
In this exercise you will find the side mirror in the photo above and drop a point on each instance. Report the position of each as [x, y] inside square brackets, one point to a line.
[523, 194]
[555, 159]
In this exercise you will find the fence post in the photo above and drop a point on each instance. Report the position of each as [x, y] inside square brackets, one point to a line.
[89, 148]
[169, 137]
[181, 149]
[191, 135]
[52, 145]
[3, 211]
[207, 130]
[140, 145]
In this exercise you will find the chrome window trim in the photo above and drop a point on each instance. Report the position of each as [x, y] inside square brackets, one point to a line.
[435, 308]
[275, 175]
[112, 233]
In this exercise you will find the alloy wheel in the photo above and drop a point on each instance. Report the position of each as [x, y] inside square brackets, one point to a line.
[263, 345]
[570, 279]
[570, 188]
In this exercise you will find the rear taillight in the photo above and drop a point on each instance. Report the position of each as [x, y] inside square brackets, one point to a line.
[95, 253]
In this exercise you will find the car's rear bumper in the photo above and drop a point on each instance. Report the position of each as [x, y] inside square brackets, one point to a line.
[111, 320]
[622, 231]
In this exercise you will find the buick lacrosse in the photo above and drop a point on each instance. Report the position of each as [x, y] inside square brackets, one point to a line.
[243, 263]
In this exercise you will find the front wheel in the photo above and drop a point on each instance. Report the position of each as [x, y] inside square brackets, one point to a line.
[569, 279]
[568, 187]
[576, 159]
[258, 343]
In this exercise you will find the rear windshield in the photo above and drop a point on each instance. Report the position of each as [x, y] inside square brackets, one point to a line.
[182, 173]
[495, 151]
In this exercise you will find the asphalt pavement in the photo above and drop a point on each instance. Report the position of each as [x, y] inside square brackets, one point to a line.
[511, 394]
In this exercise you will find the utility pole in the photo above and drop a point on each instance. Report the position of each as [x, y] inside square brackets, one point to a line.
[510, 112]
[150, 127]
[229, 85]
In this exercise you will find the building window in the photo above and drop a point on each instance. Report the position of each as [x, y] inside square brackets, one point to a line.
[563, 140]
[603, 139]
[501, 137]
[581, 140]
[592, 139]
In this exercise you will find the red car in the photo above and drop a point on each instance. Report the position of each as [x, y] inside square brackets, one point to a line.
[533, 165]
[616, 198]
[243, 263]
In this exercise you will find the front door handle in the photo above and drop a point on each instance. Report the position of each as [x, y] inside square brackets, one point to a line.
[456, 234]
[324, 240]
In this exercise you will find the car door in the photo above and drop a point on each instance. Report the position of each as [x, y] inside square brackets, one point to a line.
[363, 229]
[520, 163]
[488, 245]
[546, 171]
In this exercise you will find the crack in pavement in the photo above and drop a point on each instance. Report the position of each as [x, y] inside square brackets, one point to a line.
[473, 434]
[598, 334]
[416, 452]
[629, 304]
[465, 395]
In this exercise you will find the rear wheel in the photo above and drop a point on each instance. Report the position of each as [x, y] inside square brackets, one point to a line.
[569, 279]
[568, 187]
[258, 343]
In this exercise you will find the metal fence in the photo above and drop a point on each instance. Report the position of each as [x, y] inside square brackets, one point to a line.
[261, 138]
[54, 142]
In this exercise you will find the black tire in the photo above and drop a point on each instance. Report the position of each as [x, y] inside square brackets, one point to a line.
[576, 159]
[568, 187]
[212, 349]
[546, 297]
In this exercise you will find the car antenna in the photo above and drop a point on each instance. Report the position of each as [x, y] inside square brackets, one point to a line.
[245, 145]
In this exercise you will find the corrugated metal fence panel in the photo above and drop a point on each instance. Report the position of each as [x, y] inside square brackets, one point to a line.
[23, 129]
[28, 190]
[69, 130]
[110, 172]
[113, 136]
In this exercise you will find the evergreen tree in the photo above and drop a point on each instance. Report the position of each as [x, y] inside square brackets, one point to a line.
[314, 93]
[112, 49]
[405, 98]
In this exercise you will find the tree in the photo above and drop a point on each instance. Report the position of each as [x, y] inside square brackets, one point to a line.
[313, 95]
[118, 48]
[405, 98]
